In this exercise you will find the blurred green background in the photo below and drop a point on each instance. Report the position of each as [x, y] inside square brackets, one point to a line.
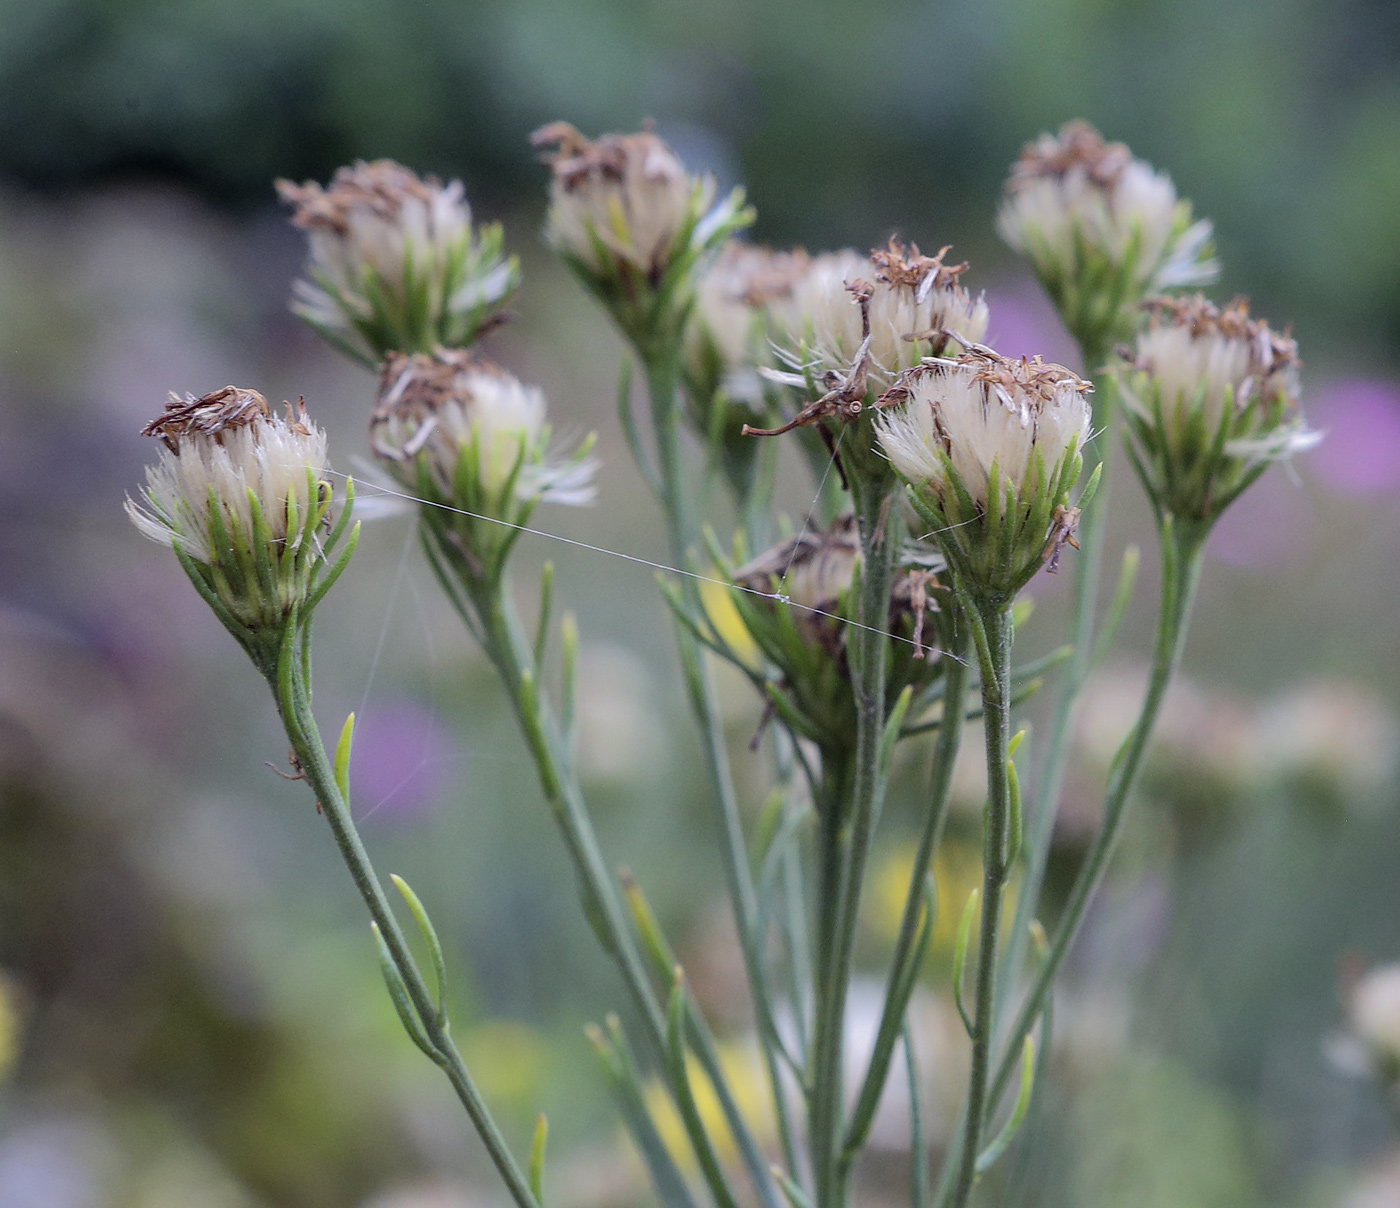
[190, 1012]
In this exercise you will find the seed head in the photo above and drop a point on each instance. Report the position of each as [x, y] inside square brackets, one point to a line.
[479, 434]
[1212, 398]
[1101, 227]
[990, 449]
[240, 493]
[625, 197]
[395, 262]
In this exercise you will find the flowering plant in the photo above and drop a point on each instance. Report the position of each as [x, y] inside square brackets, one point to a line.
[948, 477]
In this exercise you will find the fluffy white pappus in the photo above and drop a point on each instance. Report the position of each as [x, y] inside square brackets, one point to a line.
[912, 303]
[451, 406]
[981, 410]
[1202, 359]
[628, 192]
[377, 218]
[1074, 192]
[276, 460]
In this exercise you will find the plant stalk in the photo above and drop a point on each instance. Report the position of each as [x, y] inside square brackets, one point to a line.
[293, 699]
[992, 628]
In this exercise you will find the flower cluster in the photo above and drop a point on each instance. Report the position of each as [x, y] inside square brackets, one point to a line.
[472, 442]
[240, 494]
[990, 449]
[1212, 400]
[1102, 228]
[395, 262]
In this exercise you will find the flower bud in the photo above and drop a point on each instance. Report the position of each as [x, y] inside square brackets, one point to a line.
[909, 305]
[622, 203]
[240, 494]
[1102, 229]
[990, 449]
[1212, 400]
[471, 439]
[395, 263]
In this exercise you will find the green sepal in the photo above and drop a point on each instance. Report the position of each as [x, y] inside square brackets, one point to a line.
[537, 1148]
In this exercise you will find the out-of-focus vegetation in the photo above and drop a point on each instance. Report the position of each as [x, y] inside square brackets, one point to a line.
[189, 1008]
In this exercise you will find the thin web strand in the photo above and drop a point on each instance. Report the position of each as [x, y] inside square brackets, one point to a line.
[647, 562]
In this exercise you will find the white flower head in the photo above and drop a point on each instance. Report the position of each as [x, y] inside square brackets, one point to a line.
[963, 416]
[733, 303]
[1083, 209]
[625, 198]
[1212, 397]
[915, 303]
[985, 441]
[479, 434]
[236, 485]
[395, 261]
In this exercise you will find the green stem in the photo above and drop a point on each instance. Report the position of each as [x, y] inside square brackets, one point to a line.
[902, 979]
[1055, 758]
[506, 647]
[663, 378]
[293, 697]
[1182, 555]
[992, 627]
[850, 825]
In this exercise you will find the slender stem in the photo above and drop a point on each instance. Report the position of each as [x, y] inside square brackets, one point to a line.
[1182, 554]
[505, 645]
[992, 627]
[663, 377]
[901, 978]
[300, 724]
[1054, 764]
[868, 650]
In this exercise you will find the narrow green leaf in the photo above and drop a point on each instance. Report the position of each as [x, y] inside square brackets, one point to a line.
[960, 958]
[537, 1157]
[988, 1157]
[795, 1195]
[342, 758]
[546, 603]
[398, 992]
[425, 925]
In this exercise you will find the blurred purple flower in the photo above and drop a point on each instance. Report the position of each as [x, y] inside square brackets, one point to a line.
[1361, 452]
[1272, 523]
[1024, 323]
[403, 760]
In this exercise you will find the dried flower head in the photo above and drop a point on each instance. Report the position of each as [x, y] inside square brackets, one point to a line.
[240, 493]
[395, 262]
[623, 198]
[1101, 227]
[795, 604]
[472, 442]
[733, 302]
[984, 443]
[890, 309]
[1212, 399]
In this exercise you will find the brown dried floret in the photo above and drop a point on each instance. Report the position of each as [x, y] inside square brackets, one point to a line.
[378, 186]
[215, 413]
[1078, 146]
[576, 157]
